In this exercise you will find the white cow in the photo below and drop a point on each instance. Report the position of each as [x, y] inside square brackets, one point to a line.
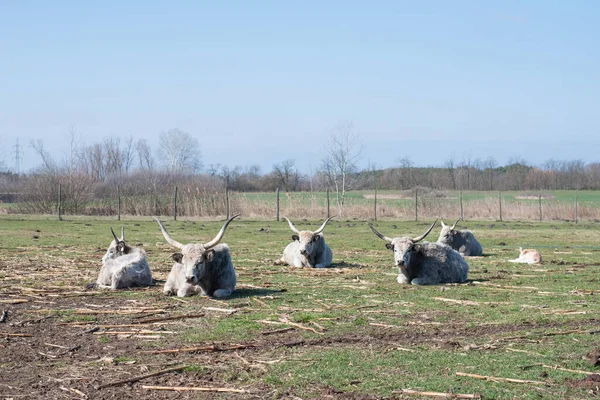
[123, 266]
[201, 268]
[528, 256]
[308, 248]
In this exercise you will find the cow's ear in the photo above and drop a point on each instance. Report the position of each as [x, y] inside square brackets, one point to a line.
[453, 231]
[416, 247]
[177, 257]
[210, 255]
[316, 238]
[295, 237]
[121, 247]
[389, 246]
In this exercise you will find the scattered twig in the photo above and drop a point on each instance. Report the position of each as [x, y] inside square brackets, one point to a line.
[4, 316]
[145, 321]
[262, 303]
[16, 334]
[141, 332]
[577, 371]
[525, 351]
[299, 326]
[470, 302]
[139, 378]
[14, 301]
[278, 331]
[195, 349]
[223, 310]
[72, 390]
[439, 394]
[495, 378]
[92, 330]
[197, 389]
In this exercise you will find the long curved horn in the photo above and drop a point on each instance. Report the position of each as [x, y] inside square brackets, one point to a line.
[387, 239]
[122, 233]
[168, 237]
[454, 226]
[115, 236]
[322, 226]
[419, 238]
[292, 225]
[219, 236]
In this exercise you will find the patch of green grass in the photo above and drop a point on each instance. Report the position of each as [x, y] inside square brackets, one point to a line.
[374, 336]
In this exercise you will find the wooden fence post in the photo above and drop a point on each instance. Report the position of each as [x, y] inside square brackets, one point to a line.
[59, 201]
[540, 203]
[175, 205]
[576, 209]
[328, 214]
[375, 205]
[227, 200]
[416, 205]
[500, 205]
[277, 213]
[462, 212]
[118, 204]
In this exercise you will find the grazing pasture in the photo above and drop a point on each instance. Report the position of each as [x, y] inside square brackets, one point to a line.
[349, 332]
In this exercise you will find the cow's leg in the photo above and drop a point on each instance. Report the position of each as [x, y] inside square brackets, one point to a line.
[223, 292]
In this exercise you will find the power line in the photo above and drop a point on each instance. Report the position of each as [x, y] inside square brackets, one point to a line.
[17, 156]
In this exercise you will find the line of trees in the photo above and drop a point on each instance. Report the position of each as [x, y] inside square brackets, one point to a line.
[90, 172]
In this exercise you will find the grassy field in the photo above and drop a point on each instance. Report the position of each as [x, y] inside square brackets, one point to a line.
[349, 332]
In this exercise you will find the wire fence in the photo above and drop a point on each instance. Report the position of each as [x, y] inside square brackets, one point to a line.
[412, 204]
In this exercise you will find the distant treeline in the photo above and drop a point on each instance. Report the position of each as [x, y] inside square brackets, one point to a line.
[91, 174]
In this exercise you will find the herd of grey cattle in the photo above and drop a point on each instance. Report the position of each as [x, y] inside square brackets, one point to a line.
[208, 269]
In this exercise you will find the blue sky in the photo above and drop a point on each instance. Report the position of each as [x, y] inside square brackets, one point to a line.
[261, 82]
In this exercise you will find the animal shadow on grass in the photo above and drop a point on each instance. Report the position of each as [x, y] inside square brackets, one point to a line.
[344, 264]
[250, 292]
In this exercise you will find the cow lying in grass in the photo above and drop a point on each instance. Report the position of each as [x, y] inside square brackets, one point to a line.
[201, 268]
[528, 256]
[308, 248]
[123, 266]
[462, 241]
[425, 263]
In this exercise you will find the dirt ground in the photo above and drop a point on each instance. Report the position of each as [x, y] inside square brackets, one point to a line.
[47, 358]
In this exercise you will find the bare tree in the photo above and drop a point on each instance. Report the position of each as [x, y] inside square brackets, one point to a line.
[144, 154]
[286, 174]
[451, 168]
[405, 176]
[128, 154]
[339, 162]
[180, 151]
[490, 165]
[48, 163]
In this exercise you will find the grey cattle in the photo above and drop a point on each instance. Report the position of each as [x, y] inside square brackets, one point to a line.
[201, 268]
[308, 248]
[462, 241]
[425, 263]
[123, 266]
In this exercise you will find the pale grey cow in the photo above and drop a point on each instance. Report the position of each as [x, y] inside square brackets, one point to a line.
[462, 241]
[425, 263]
[123, 266]
[201, 268]
[308, 248]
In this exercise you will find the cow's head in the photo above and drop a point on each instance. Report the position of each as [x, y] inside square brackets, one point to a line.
[194, 256]
[404, 248]
[117, 247]
[448, 233]
[309, 241]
